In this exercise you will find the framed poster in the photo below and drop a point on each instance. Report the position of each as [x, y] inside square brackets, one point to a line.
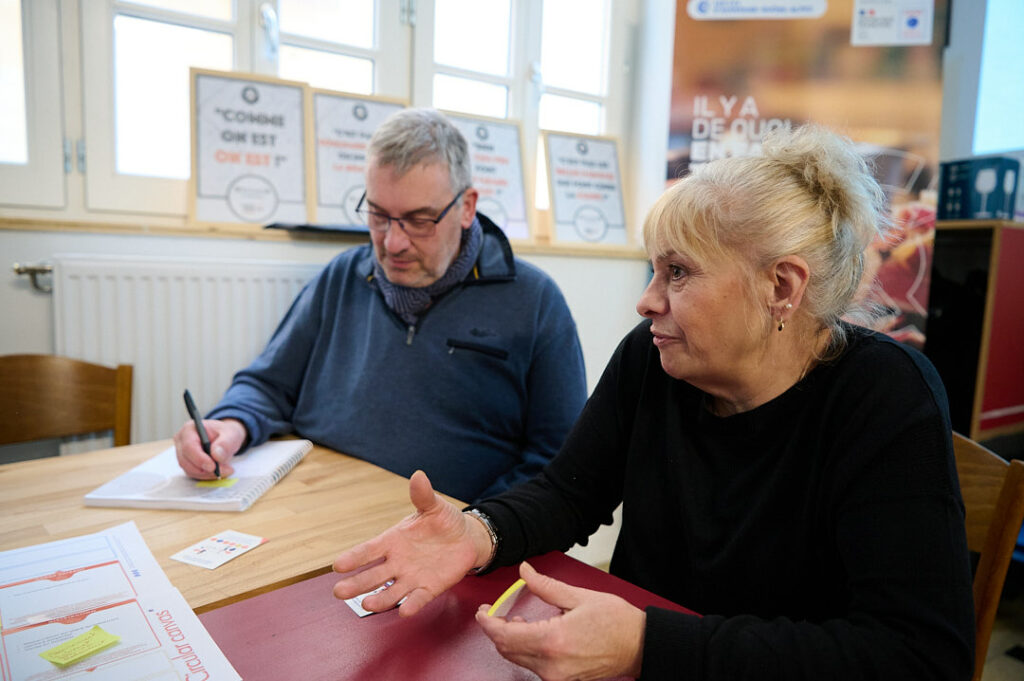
[249, 150]
[586, 189]
[343, 124]
[496, 155]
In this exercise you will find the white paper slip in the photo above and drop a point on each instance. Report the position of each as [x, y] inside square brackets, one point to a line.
[220, 548]
[356, 602]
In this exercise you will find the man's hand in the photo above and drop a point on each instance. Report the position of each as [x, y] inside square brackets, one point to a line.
[226, 438]
[425, 554]
[597, 635]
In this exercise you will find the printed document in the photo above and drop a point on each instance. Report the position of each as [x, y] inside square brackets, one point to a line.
[106, 586]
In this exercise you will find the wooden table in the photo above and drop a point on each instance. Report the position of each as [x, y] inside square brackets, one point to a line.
[326, 504]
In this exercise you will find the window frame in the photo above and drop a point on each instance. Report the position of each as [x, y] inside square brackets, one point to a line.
[390, 51]
[105, 188]
[108, 190]
[40, 183]
[525, 80]
[80, 40]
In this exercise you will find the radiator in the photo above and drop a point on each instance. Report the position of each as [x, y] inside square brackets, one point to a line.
[180, 322]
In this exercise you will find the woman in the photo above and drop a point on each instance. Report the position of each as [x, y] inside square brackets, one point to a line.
[786, 474]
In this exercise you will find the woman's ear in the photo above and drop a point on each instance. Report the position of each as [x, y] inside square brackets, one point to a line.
[789, 276]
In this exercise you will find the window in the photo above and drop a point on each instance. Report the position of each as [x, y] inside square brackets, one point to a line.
[464, 56]
[999, 125]
[135, 77]
[151, 110]
[14, 142]
[94, 95]
[329, 44]
[31, 143]
[485, 58]
[574, 65]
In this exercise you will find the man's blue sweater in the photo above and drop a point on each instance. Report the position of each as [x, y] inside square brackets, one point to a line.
[479, 393]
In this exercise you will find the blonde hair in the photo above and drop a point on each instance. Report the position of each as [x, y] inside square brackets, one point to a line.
[810, 194]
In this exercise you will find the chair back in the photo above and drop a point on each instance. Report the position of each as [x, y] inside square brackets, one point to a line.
[993, 493]
[45, 396]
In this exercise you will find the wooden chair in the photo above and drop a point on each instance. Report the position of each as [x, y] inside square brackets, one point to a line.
[993, 492]
[45, 396]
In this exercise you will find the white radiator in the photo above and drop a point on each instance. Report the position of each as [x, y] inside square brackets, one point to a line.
[180, 322]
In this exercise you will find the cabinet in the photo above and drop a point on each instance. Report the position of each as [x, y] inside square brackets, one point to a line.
[975, 334]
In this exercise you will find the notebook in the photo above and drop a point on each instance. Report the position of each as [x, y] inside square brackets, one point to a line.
[160, 482]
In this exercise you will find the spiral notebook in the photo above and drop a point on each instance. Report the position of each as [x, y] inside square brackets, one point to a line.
[160, 482]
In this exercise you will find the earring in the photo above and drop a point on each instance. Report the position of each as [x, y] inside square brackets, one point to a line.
[782, 323]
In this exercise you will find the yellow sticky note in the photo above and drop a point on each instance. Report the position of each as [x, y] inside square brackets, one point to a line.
[506, 600]
[223, 482]
[80, 647]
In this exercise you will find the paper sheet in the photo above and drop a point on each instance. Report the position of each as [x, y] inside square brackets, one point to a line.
[220, 548]
[53, 593]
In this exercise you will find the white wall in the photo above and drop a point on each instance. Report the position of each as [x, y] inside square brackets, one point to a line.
[601, 292]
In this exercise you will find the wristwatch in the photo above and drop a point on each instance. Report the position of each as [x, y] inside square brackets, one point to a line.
[491, 532]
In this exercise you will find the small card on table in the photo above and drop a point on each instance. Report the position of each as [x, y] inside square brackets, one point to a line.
[220, 548]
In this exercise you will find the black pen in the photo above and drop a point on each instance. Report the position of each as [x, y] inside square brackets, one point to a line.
[204, 439]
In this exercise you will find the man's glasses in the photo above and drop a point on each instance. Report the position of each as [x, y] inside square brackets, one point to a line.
[415, 227]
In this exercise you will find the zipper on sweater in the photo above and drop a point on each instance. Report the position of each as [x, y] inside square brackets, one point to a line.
[409, 334]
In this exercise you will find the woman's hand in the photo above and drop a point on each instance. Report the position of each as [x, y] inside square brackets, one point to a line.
[425, 554]
[597, 635]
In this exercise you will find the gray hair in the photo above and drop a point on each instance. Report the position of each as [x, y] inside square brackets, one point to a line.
[412, 137]
[810, 194]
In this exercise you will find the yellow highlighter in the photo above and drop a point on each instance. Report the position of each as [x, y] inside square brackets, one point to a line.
[506, 600]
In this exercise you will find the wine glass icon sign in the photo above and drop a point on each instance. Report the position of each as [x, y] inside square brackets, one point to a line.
[1009, 184]
[984, 183]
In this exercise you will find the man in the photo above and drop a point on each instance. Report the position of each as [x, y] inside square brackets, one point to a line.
[431, 348]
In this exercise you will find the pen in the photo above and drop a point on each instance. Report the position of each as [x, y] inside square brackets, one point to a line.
[204, 439]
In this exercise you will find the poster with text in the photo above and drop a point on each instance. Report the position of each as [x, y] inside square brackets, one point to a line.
[248, 150]
[868, 69]
[586, 189]
[496, 155]
[344, 124]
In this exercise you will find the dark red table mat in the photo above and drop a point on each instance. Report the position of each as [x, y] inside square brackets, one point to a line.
[302, 632]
